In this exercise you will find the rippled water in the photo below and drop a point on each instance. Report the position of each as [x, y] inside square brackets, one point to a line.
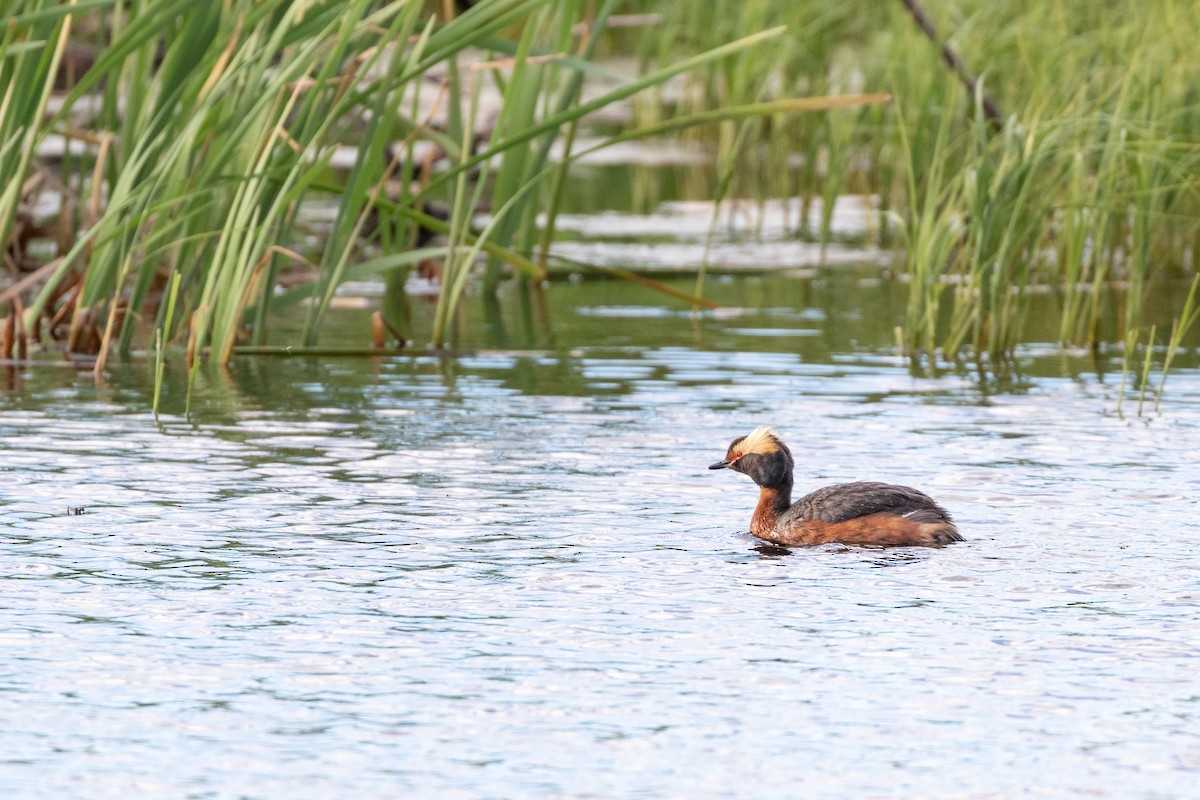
[511, 575]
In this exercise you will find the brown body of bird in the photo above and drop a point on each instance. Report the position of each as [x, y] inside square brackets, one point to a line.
[863, 513]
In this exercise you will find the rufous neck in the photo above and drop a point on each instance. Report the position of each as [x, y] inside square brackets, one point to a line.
[772, 501]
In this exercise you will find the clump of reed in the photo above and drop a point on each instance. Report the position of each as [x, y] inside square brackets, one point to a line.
[1082, 179]
[202, 130]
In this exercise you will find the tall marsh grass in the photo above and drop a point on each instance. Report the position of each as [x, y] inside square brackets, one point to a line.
[208, 127]
[202, 131]
[1090, 184]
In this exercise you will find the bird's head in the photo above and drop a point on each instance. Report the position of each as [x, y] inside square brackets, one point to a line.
[761, 455]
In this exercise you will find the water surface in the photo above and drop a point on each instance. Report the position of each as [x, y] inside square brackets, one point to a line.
[510, 574]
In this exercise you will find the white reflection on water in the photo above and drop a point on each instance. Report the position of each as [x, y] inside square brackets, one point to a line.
[453, 588]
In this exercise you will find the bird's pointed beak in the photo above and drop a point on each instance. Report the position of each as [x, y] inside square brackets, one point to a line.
[720, 465]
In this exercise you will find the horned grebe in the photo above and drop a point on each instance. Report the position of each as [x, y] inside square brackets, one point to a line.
[848, 513]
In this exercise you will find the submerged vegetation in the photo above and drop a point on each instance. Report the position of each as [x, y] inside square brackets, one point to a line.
[194, 137]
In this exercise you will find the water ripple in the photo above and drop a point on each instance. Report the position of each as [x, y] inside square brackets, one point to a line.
[437, 583]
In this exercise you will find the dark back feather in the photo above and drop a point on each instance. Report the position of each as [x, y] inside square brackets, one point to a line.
[845, 501]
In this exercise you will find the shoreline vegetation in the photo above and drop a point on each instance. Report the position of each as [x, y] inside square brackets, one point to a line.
[157, 155]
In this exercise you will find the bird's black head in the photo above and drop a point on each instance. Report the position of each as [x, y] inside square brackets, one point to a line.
[761, 455]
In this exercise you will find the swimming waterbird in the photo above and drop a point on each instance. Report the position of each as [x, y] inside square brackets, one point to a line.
[864, 512]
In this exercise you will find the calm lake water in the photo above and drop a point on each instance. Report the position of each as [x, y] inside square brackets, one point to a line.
[510, 574]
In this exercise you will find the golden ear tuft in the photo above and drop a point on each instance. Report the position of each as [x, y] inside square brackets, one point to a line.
[761, 440]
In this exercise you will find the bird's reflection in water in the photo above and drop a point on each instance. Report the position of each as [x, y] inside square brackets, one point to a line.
[771, 550]
[876, 558]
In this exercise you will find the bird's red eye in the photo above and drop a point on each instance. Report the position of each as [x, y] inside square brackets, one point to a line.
[736, 456]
